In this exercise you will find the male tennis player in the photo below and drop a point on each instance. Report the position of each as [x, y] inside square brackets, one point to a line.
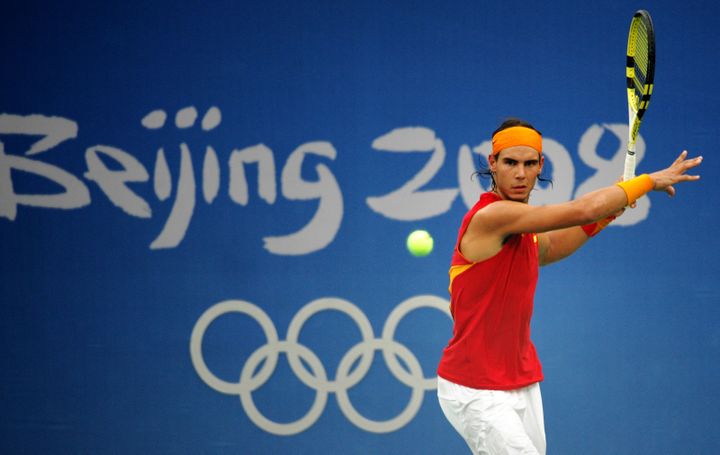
[489, 374]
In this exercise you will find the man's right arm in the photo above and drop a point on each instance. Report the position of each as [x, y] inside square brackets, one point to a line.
[492, 224]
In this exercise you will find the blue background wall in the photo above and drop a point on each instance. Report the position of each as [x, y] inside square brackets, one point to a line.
[109, 289]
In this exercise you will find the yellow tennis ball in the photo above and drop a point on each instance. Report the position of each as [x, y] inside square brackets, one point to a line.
[419, 243]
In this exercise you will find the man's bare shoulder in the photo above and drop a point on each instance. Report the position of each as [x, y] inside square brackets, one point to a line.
[497, 214]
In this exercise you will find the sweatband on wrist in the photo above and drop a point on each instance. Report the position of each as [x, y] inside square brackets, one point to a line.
[593, 229]
[516, 135]
[637, 187]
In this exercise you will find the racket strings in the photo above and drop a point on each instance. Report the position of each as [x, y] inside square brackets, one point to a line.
[639, 50]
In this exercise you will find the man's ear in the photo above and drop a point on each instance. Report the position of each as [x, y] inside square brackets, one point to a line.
[542, 162]
[492, 162]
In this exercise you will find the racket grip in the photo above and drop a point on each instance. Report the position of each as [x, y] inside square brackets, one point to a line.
[629, 167]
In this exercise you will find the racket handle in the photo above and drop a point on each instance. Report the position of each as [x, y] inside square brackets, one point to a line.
[629, 167]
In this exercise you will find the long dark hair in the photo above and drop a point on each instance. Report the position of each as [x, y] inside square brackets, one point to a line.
[484, 171]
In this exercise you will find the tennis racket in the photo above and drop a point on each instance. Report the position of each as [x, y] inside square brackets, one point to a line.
[640, 73]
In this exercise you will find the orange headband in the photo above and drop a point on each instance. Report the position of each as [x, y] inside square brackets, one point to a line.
[516, 135]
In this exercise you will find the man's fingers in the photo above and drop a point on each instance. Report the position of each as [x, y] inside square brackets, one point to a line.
[683, 166]
[696, 161]
[680, 157]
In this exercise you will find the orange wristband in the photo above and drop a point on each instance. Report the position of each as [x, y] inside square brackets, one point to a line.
[592, 229]
[637, 187]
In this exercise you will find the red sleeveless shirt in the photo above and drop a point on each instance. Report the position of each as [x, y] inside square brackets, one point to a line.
[492, 303]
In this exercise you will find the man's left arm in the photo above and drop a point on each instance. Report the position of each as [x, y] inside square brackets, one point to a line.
[556, 245]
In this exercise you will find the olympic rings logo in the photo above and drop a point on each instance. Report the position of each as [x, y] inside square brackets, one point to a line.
[252, 379]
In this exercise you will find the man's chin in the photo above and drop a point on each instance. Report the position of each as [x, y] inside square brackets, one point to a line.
[518, 196]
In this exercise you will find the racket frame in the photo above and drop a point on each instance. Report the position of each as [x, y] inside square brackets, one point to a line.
[637, 107]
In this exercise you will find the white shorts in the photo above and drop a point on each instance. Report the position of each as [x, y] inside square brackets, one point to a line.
[495, 422]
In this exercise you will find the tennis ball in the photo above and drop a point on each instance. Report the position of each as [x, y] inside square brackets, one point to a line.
[419, 243]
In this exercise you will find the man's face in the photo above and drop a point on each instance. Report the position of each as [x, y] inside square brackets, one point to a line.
[516, 170]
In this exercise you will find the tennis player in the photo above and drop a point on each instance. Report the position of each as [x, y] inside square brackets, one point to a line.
[489, 374]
